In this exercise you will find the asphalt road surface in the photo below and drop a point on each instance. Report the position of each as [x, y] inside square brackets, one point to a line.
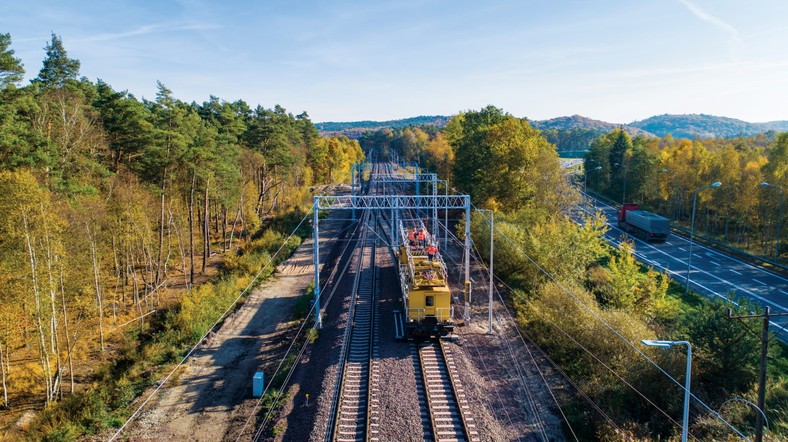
[713, 273]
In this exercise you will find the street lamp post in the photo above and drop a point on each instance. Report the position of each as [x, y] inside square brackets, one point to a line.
[692, 228]
[779, 218]
[492, 243]
[668, 344]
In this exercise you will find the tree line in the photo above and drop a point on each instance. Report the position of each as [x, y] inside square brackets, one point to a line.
[583, 301]
[663, 174]
[113, 208]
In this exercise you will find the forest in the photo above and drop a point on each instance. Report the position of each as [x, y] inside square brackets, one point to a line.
[705, 126]
[663, 174]
[436, 120]
[127, 227]
[583, 302]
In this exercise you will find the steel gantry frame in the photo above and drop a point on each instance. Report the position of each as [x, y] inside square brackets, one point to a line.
[393, 203]
[355, 180]
[417, 178]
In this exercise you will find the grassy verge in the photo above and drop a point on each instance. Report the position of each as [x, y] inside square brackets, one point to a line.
[688, 302]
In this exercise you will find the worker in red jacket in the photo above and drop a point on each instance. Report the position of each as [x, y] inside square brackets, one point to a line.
[412, 237]
[431, 251]
[422, 237]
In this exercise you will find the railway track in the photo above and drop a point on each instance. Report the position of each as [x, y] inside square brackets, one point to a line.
[449, 412]
[355, 414]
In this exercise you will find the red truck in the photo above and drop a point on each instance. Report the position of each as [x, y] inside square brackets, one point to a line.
[643, 224]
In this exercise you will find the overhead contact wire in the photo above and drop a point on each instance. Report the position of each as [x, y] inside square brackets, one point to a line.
[210, 329]
[612, 329]
[520, 370]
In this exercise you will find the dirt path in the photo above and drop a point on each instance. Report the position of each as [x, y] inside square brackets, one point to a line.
[213, 392]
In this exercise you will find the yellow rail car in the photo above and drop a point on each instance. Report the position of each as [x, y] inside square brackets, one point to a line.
[426, 296]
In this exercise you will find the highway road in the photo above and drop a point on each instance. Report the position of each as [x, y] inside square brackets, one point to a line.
[570, 162]
[713, 273]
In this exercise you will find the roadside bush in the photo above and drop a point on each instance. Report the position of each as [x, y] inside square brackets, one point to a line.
[203, 305]
[289, 221]
[302, 306]
[777, 412]
[726, 353]
[258, 253]
[571, 333]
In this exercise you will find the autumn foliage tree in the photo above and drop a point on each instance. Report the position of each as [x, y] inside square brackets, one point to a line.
[113, 210]
[662, 175]
[584, 301]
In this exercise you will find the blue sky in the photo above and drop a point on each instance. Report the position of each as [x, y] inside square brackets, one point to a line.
[614, 60]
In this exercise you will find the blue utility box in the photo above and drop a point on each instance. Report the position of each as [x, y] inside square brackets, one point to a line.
[258, 384]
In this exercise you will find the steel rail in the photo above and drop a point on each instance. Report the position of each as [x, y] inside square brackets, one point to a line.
[446, 401]
[354, 415]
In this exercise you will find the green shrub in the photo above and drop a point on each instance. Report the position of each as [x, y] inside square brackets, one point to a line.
[65, 433]
[302, 306]
[76, 415]
[312, 335]
[122, 393]
[286, 223]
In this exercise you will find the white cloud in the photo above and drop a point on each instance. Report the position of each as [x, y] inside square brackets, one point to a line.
[717, 22]
[150, 29]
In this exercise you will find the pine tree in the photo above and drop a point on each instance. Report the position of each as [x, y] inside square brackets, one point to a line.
[58, 68]
[11, 70]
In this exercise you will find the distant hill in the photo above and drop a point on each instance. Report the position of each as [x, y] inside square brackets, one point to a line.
[354, 126]
[581, 122]
[576, 133]
[705, 126]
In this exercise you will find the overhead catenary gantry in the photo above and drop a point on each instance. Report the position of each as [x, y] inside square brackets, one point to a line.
[417, 179]
[355, 180]
[392, 203]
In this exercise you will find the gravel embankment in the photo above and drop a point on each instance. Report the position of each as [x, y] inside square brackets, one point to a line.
[508, 398]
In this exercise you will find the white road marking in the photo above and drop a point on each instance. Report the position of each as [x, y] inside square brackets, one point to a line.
[678, 276]
[760, 269]
[682, 249]
[780, 327]
[784, 292]
[614, 228]
[734, 271]
[714, 262]
[759, 281]
[714, 252]
[737, 287]
[673, 272]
